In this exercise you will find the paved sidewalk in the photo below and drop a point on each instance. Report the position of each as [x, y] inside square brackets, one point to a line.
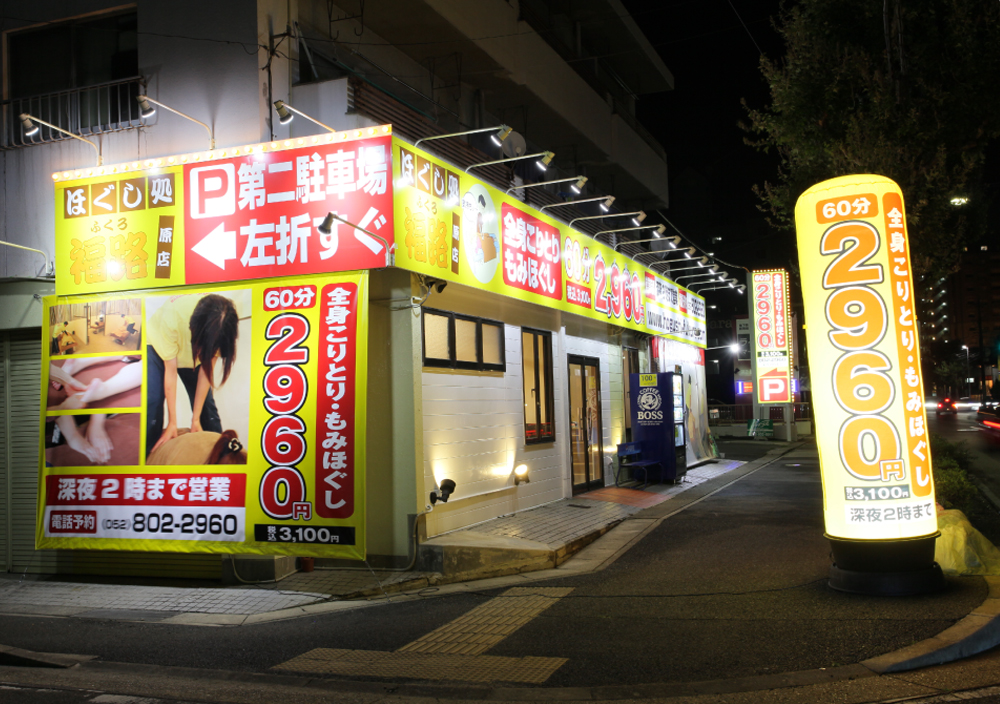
[563, 522]
[753, 612]
[566, 525]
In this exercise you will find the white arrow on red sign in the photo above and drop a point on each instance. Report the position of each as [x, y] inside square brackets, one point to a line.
[218, 246]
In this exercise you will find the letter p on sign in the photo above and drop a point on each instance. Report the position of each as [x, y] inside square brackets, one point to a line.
[213, 191]
[774, 389]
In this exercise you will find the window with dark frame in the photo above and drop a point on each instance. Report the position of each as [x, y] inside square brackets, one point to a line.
[536, 358]
[454, 341]
[72, 54]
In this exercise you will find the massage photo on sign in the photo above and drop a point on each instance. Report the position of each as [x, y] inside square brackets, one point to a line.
[198, 378]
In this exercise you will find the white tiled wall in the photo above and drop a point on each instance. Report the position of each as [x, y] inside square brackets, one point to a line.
[474, 433]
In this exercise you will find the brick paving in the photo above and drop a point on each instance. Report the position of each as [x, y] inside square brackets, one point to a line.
[14, 596]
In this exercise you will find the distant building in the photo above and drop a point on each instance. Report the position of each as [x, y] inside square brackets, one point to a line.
[972, 306]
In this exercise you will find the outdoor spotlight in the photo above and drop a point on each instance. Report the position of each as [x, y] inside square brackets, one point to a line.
[446, 489]
[606, 205]
[146, 110]
[284, 114]
[660, 229]
[327, 226]
[735, 347]
[639, 218]
[544, 162]
[578, 186]
[501, 135]
[29, 127]
[521, 474]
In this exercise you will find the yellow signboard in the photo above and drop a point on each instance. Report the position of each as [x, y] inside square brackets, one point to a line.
[452, 226]
[864, 360]
[225, 419]
[119, 231]
[254, 212]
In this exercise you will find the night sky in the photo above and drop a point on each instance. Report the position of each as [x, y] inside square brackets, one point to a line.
[715, 64]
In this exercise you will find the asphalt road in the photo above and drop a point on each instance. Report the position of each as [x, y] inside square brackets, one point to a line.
[733, 586]
[961, 428]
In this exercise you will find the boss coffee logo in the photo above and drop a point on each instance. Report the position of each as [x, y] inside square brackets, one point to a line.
[650, 403]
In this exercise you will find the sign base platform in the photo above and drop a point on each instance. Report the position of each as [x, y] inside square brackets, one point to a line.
[885, 567]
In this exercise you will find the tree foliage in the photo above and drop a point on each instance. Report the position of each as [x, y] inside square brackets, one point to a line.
[907, 89]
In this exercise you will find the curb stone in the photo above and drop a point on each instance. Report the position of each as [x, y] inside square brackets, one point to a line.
[974, 634]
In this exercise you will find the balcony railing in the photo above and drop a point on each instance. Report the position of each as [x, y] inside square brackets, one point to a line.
[97, 109]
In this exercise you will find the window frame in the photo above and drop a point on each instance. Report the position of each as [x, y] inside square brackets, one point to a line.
[453, 362]
[549, 387]
[77, 26]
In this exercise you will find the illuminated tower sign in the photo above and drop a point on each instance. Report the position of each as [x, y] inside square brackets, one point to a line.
[868, 395]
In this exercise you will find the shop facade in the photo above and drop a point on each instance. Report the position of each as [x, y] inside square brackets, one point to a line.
[487, 337]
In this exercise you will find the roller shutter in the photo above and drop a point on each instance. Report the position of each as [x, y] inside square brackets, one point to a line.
[20, 382]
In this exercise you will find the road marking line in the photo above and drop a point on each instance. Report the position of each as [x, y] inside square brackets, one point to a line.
[455, 651]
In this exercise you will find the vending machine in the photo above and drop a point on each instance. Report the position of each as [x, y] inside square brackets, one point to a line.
[658, 415]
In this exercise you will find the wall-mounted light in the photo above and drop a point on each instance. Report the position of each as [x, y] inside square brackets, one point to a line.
[445, 490]
[146, 111]
[713, 278]
[326, 228]
[521, 474]
[717, 285]
[544, 159]
[31, 129]
[672, 241]
[640, 217]
[499, 136]
[285, 115]
[606, 202]
[686, 253]
[576, 187]
[659, 229]
[700, 263]
[606, 215]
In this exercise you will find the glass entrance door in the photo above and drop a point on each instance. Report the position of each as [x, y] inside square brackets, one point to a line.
[585, 423]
